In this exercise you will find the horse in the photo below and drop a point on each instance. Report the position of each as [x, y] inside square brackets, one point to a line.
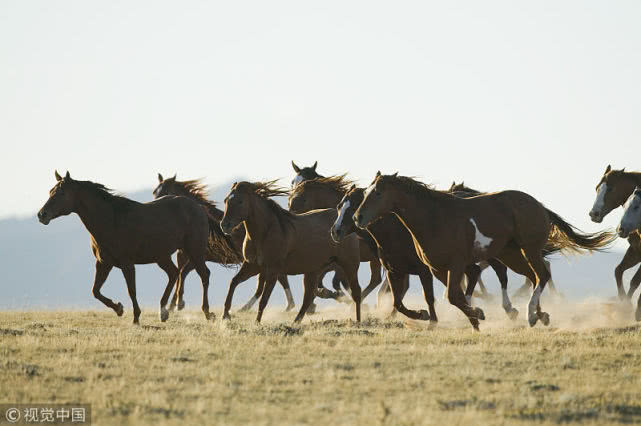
[304, 173]
[288, 243]
[398, 255]
[631, 222]
[221, 250]
[450, 233]
[460, 190]
[327, 192]
[613, 190]
[125, 233]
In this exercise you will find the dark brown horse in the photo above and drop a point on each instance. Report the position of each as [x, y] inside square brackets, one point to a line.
[223, 250]
[125, 233]
[631, 223]
[288, 243]
[613, 190]
[450, 233]
[327, 192]
[304, 173]
[460, 190]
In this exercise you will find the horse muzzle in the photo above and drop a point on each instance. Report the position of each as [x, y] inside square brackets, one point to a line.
[596, 217]
[622, 232]
[43, 217]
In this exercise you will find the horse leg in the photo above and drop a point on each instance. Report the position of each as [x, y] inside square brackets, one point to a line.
[260, 286]
[483, 266]
[457, 298]
[284, 282]
[203, 272]
[384, 291]
[375, 278]
[350, 270]
[246, 271]
[130, 277]
[183, 263]
[630, 259]
[551, 281]
[102, 272]
[397, 282]
[270, 282]
[172, 273]
[535, 258]
[472, 273]
[501, 273]
[427, 281]
[634, 283]
[310, 282]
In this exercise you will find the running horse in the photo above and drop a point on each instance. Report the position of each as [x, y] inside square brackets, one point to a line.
[222, 250]
[613, 190]
[125, 233]
[460, 190]
[450, 233]
[327, 192]
[288, 243]
[304, 173]
[631, 222]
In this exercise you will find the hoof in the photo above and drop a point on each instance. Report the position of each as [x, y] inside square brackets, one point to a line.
[290, 307]
[164, 314]
[475, 323]
[171, 307]
[545, 318]
[120, 309]
[181, 305]
[226, 316]
[432, 324]
[245, 308]
[532, 320]
[424, 315]
[210, 316]
[513, 314]
[480, 314]
[311, 309]
[136, 321]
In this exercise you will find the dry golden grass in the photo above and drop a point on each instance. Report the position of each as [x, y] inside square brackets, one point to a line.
[327, 371]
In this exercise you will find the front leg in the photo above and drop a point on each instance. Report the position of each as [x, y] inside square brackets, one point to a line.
[130, 277]
[101, 274]
[246, 271]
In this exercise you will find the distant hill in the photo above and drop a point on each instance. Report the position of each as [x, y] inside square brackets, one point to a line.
[52, 267]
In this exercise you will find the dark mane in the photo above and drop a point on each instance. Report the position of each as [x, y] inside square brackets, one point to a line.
[269, 189]
[338, 183]
[198, 190]
[106, 194]
[461, 190]
[415, 187]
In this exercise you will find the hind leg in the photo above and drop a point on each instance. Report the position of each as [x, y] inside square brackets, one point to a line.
[172, 273]
[310, 282]
[472, 273]
[204, 273]
[185, 267]
[284, 282]
[535, 258]
[630, 259]
[501, 272]
[246, 271]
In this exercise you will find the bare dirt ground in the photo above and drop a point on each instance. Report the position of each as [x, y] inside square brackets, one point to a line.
[584, 368]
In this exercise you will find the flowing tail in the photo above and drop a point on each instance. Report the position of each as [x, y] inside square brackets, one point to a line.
[565, 237]
[221, 247]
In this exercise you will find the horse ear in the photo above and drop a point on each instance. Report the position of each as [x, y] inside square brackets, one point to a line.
[623, 169]
[607, 169]
[395, 174]
[378, 173]
[174, 178]
[462, 183]
[296, 168]
[160, 179]
[68, 176]
[351, 188]
[314, 166]
[58, 177]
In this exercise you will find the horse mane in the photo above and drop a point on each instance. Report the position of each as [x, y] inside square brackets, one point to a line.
[460, 190]
[620, 173]
[198, 190]
[415, 187]
[107, 194]
[338, 183]
[266, 190]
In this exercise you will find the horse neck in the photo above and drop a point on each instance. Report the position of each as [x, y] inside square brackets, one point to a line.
[421, 215]
[634, 177]
[215, 212]
[328, 199]
[261, 220]
[96, 214]
[384, 229]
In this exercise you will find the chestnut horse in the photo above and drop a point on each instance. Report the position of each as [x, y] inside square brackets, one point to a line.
[460, 190]
[398, 255]
[221, 249]
[631, 222]
[613, 190]
[327, 192]
[288, 243]
[450, 233]
[125, 233]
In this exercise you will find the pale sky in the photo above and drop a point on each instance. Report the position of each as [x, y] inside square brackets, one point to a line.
[538, 96]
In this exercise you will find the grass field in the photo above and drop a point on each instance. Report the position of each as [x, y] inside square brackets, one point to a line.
[584, 368]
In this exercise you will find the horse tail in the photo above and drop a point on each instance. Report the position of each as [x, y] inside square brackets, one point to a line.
[567, 238]
[221, 247]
